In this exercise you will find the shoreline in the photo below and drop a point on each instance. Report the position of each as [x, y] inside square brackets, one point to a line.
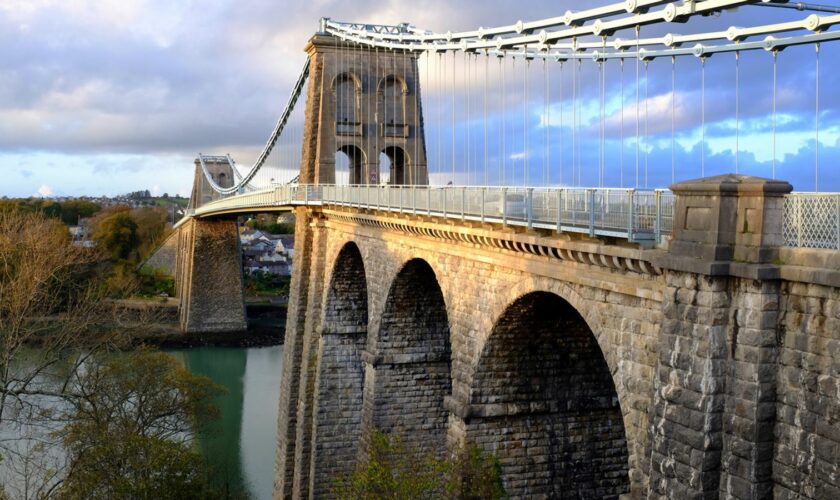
[266, 327]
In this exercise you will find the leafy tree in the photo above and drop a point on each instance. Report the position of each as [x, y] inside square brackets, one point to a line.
[263, 283]
[394, 472]
[131, 427]
[73, 210]
[271, 224]
[151, 229]
[116, 234]
[281, 228]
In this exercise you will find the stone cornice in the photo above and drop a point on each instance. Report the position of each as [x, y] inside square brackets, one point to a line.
[621, 258]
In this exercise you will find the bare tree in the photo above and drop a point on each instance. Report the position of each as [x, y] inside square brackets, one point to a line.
[52, 318]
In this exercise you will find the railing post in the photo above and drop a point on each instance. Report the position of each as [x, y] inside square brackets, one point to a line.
[837, 220]
[591, 211]
[657, 230]
[463, 203]
[306, 195]
[631, 213]
[414, 198]
[504, 206]
[529, 208]
[483, 192]
[444, 203]
[798, 210]
[429, 201]
[560, 210]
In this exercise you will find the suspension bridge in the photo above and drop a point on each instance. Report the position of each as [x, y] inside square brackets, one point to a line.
[501, 243]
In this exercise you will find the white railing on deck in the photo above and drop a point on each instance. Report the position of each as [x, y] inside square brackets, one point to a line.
[812, 220]
[637, 215]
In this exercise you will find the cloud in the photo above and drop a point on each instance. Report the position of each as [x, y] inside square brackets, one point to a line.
[120, 89]
[44, 191]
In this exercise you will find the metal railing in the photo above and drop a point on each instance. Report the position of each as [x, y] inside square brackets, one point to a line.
[636, 215]
[812, 220]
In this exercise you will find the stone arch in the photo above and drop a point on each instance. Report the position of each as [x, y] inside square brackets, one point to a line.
[409, 372]
[543, 399]
[398, 167]
[352, 158]
[347, 89]
[340, 377]
[392, 92]
[591, 315]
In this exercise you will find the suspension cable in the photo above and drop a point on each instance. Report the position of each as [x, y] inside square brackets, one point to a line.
[673, 118]
[817, 120]
[575, 66]
[562, 124]
[525, 83]
[621, 157]
[486, 67]
[600, 123]
[601, 118]
[579, 119]
[647, 137]
[638, 144]
[702, 116]
[503, 68]
[441, 96]
[775, 67]
[415, 68]
[547, 124]
[737, 111]
[468, 79]
[453, 118]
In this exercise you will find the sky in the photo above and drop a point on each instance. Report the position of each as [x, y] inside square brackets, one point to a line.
[112, 96]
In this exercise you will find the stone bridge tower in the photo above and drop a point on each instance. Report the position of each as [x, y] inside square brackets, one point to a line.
[208, 267]
[222, 173]
[362, 103]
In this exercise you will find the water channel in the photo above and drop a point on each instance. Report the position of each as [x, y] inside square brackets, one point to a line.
[241, 448]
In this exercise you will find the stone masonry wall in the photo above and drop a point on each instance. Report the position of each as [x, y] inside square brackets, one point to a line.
[714, 411]
[747, 403]
[409, 372]
[292, 351]
[707, 377]
[807, 433]
[211, 277]
[543, 402]
[340, 376]
[165, 257]
[622, 310]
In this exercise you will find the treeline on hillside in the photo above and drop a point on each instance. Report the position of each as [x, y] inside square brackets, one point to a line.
[125, 236]
[68, 211]
[145, 197]
[272, 224]
[129, 234]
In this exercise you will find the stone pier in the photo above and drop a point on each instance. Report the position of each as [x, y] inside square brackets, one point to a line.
[209, 277]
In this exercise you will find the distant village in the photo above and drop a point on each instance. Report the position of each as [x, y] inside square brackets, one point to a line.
[265, 252]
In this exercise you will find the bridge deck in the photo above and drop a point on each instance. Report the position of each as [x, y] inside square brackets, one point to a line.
[636, 215]
[811, 220]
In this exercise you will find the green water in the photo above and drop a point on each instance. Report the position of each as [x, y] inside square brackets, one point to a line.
[241, 446]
